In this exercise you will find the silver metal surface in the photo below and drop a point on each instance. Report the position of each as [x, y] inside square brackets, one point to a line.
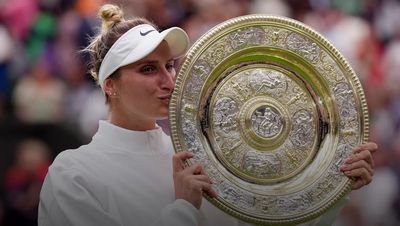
[270, 109]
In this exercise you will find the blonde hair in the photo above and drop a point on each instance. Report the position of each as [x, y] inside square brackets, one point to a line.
[113, 26]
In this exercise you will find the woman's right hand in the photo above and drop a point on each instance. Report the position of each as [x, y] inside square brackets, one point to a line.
[190, 182]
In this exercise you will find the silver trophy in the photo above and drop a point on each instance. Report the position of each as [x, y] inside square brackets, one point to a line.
[271, 110]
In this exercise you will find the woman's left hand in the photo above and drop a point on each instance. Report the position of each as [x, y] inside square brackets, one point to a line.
[360, 165]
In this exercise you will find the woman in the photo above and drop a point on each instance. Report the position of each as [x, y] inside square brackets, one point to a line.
[128, 174]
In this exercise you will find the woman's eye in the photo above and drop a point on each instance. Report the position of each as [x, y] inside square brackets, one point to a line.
[148, 69]
[170, 66]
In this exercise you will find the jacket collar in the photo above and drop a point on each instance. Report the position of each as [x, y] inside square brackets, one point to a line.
[144, 142]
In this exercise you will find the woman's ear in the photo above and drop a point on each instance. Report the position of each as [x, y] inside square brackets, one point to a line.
[109, 88]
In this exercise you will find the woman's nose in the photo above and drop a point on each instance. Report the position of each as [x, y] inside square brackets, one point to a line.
[168, 80]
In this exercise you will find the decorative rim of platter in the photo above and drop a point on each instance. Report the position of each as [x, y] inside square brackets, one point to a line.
[271, 110]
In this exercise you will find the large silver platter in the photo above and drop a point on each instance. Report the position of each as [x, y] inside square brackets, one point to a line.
[271, 110]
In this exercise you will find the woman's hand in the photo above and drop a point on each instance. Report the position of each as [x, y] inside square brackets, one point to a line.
[360, 165]
[190, 182]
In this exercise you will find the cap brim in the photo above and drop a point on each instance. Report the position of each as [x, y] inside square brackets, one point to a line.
[177, 40]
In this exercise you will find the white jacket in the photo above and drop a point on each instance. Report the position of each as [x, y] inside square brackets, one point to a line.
[124, 177]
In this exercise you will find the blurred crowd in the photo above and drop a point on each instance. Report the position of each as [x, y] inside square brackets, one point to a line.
[48, 102]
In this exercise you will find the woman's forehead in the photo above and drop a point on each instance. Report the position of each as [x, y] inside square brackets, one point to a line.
[161, 54]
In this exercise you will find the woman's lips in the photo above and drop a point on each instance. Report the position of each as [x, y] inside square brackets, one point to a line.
[165, 98]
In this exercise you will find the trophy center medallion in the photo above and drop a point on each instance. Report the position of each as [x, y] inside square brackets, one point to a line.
[266, 121]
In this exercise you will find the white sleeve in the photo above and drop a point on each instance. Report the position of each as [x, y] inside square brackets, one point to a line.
[179, 213]
[68, 199]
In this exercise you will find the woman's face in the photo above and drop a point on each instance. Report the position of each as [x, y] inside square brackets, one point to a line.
[143, 90]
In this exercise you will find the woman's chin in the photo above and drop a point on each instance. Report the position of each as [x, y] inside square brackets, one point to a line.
[163, 116]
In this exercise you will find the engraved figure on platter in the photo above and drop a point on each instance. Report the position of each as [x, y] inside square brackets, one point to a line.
[344, 96]
[250, 36]
[298, 97]
[193, 87]
[255, 35]
[231, 153]
[266, 122]
[303, 46]
[237, 40]
[225, 114]
[295, 42]
[239, 199]
[228, 141]
[264, 81]
[303, 201]
[225, 124]
[303, 128]
[261, 165]
[216, 55]
[344, 151]
[201, 69]
[240, 92]
[189, 130]
[267, 204]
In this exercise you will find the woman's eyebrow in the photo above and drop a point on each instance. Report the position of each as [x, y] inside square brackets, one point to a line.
[146, 62]
[152, 61]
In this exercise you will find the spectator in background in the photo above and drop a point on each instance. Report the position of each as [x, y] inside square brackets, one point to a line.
[6, 54]
[392, 67]
[39, 96]
[23, 182]
[209, 13]
[72, 70]
[18, 16]
[273, 7]
[386, 20]
[95, 109]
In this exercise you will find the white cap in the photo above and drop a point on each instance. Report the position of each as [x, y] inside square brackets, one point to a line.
[137, 43]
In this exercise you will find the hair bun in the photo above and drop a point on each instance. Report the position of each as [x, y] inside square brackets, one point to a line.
[110, 15]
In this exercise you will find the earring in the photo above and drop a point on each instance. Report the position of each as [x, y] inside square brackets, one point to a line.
[112, 93]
